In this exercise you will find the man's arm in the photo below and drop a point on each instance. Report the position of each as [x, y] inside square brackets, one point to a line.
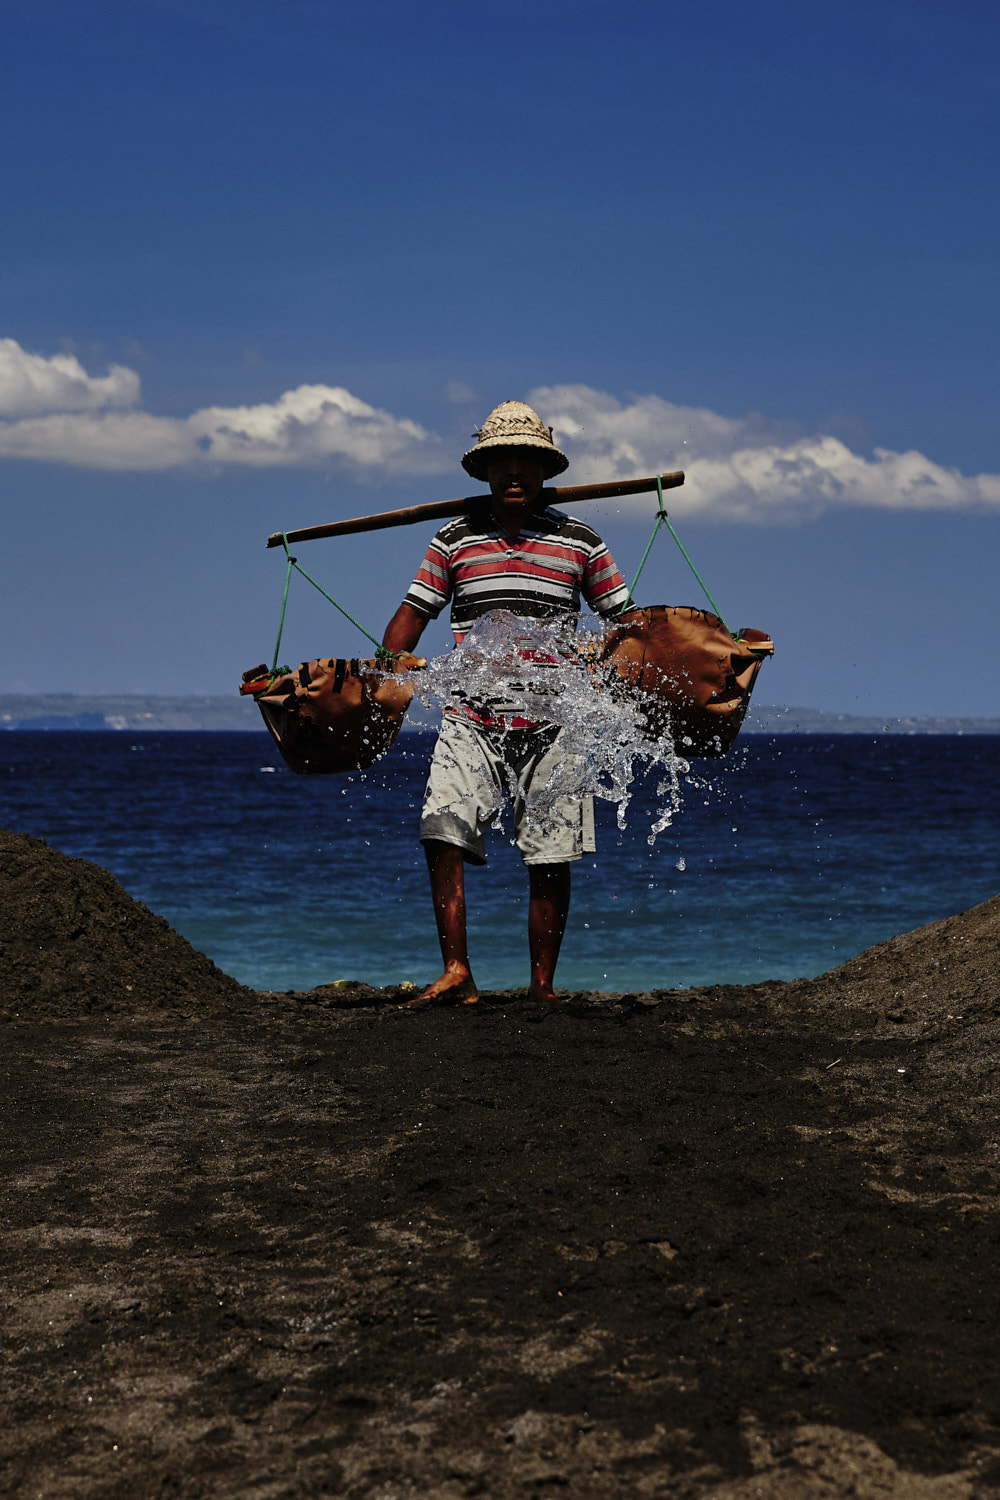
[404, 629]
[603, 587]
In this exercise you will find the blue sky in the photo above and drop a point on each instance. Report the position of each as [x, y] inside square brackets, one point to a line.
[267, 264]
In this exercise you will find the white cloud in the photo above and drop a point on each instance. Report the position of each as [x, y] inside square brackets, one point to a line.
[31, 384]
[106, 440]
[60, 414]
[746, 468]
[311, 425]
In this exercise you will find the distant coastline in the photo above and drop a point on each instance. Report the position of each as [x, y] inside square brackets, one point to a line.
[133, 712]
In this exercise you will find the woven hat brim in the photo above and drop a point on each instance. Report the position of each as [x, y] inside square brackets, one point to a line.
[474, 462]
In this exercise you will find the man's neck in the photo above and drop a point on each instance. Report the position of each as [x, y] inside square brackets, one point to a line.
[512, 519]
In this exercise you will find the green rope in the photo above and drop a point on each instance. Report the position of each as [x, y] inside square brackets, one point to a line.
[661, 516]
[662, 519]
[382, 653]
[281, 622]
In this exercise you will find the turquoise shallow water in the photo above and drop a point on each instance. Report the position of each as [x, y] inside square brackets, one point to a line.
[787, 858]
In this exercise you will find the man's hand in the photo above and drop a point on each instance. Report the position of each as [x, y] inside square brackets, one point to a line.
[407, 662]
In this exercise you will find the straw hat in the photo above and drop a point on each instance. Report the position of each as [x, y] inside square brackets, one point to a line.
[512, 424]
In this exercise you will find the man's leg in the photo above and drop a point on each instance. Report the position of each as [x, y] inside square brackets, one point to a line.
[547, 912]
[446, 867]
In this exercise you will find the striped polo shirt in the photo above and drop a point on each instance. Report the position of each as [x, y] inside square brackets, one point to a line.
[474, 563]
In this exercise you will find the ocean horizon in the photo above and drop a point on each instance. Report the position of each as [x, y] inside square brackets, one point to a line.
[163, 713]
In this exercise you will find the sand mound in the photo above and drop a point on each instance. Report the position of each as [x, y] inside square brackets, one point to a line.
[73, 941]
[947, 969]
[962, 950]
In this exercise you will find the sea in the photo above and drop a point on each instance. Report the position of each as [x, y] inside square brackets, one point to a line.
[784, 859]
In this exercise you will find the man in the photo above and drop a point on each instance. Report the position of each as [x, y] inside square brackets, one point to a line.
[517, 555]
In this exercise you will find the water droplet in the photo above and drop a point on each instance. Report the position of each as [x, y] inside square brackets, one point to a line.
[542, 670]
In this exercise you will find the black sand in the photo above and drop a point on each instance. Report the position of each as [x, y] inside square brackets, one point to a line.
[732, 1242]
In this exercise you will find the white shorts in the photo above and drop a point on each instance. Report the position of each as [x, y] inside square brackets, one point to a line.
[475, 768]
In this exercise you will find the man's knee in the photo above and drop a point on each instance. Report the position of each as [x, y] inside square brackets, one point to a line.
[544, 878]
[442, 854]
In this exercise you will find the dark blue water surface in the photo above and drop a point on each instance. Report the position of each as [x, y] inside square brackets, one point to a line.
[786, 859]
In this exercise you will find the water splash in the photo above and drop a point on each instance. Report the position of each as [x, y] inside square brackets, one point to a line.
[548, 671]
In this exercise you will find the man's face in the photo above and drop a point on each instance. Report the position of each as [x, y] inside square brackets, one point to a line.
[516, 475]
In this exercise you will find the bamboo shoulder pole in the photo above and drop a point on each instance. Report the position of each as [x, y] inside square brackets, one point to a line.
[570, 494]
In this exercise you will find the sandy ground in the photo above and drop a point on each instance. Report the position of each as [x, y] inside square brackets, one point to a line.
[729, 1242]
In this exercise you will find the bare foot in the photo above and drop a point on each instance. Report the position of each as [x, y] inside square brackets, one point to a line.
[545, 993]
[455, 987]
